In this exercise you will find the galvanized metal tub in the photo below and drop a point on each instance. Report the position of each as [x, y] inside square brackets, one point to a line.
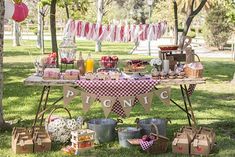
[145, 125]
[105, 129]
[126, 133]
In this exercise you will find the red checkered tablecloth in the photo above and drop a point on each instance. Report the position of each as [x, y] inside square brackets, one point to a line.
[117, 88]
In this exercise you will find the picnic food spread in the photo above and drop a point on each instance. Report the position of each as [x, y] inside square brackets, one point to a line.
[118, 85]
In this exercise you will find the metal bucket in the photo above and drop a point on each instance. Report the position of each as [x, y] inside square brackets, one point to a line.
[126, 133]
[145, 125]
[105, 129]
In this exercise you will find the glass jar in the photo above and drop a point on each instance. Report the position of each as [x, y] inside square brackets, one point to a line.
[67, 51]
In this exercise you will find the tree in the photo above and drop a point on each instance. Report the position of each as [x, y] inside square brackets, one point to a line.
[101, 5]
[219, 24]
[16, 33]
[100, 13]
[192, 11]
[53, 30]
[2, 11]
[184, 5]
[139, 13]
[3, 124]
[42, 10]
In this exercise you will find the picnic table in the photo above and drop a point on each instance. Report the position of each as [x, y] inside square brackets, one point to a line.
[187, 86]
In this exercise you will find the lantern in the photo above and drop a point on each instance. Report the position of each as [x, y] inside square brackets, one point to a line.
[67, 51]
[21, 12]
[9, 11]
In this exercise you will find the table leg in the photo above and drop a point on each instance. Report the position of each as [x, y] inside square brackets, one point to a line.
[45, 91]
[45, 104]
[190, 105]
[185, 103]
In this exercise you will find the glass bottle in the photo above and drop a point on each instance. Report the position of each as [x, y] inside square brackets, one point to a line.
[81, 64]
[89, 64]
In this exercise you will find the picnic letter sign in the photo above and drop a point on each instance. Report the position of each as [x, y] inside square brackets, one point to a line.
[146, 100]
[87, 100]
[107, 104]
[69, 94]
[127, 102]
[164, 95]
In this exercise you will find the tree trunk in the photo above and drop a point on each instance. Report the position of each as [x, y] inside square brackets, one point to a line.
[2, 11]
[190, 15]
[176, 22]
[53, 30]
[67, 10]
[39, 44]
[100, 13]
[42, 35]
[16, 34]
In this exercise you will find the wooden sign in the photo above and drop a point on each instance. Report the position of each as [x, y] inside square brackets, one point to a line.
[127, 102]
[146, 100]
[87, 100]
[69, 94]
[107, 104]
[164, 95]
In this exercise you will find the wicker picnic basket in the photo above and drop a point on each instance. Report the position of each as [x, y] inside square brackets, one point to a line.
[160, 144]
[59, 128]
[194, 69]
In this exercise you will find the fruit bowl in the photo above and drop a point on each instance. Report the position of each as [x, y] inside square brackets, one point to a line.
[109, 62]
[168, 47]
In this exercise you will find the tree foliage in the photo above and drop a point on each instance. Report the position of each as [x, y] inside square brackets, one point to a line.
[220, 23]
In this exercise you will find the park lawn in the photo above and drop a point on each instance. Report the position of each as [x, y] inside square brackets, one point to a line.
[213, 102]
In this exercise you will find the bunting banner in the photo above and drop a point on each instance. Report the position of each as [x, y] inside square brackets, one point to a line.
[69, 94]
[164, 95]
[115, 32]
[127, 102]
[146, 100]
[107, 104]
[87, 100]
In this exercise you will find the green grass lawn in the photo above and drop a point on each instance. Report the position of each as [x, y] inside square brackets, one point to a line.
[213, 102]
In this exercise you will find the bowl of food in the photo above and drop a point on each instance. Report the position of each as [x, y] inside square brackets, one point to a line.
[109, 62]
[168, 47]
[135, 65]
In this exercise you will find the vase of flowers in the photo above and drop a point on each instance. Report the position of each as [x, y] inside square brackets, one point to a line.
[156, 64]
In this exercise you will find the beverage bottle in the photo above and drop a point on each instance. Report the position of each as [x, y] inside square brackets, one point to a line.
[81, 64]
[89, 64]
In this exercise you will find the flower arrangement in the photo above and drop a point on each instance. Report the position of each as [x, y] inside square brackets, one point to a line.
[51, 59]
[155, 62]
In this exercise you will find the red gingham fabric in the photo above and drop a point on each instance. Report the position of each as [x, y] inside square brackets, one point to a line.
[146, 144]
[117, 88]
[191, 89]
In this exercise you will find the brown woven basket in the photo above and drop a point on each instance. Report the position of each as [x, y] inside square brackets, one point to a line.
[193, 73]
[160, 145]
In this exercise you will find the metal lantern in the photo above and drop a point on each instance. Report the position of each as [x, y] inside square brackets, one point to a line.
[67, 51]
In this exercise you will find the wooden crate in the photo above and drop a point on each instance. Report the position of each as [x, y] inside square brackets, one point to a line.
[83, 140]
[42, 141]
[22, 141]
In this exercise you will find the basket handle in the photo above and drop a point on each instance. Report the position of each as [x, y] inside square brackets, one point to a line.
[194, 55]
[154, 129]
[64, 108]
